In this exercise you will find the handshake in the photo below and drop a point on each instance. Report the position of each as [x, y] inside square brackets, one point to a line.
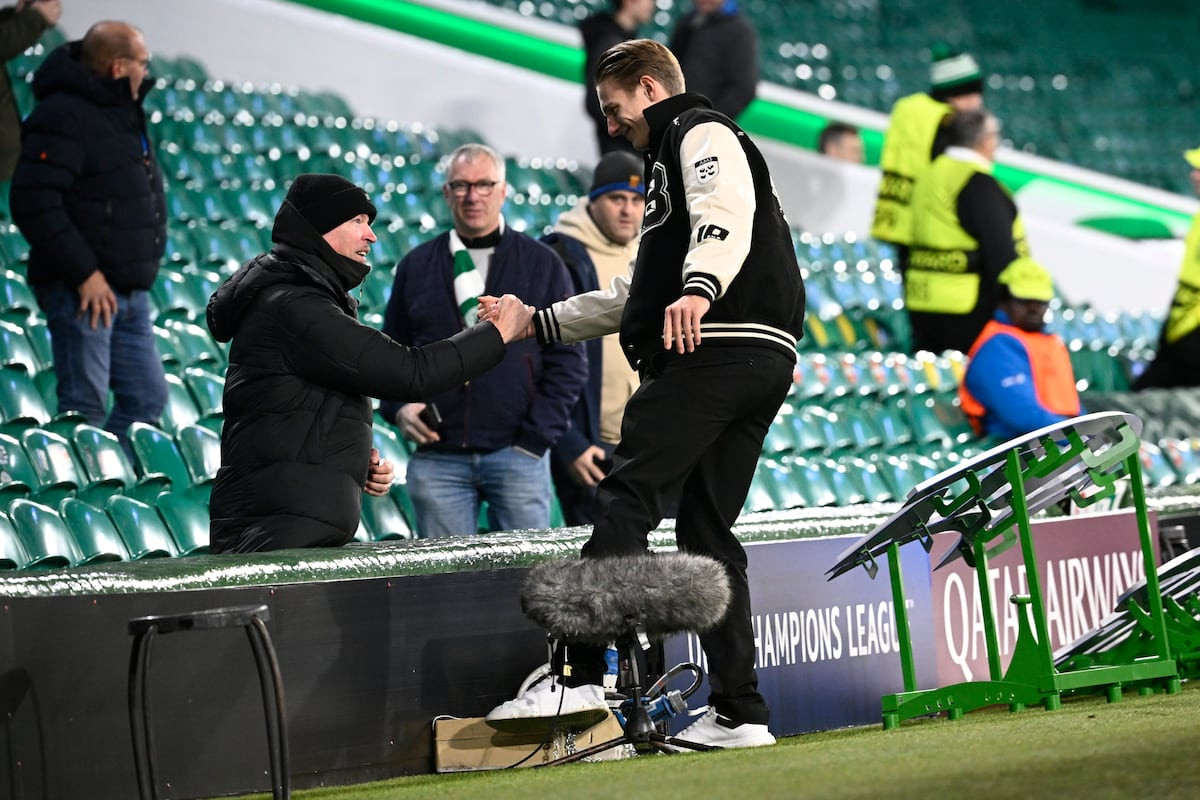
[513, 318]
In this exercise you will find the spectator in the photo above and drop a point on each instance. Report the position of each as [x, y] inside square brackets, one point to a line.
[913, 139]
[710, 319]
[1019, 377]
[20, 27]
[717, 48]
[487, 441]
[88, 196]
[598, 242]
[1177, 361]
[296, 449]
[600, 32]
[965, 231]
[842, 142]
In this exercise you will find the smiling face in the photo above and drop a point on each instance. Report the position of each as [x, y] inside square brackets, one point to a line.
[475, 193]
[352, 239]
[623, 108]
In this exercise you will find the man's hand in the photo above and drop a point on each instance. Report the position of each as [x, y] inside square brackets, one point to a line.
[409, 420]
[513, 318]
[379, 475]
[584, 469]
[681, 323]
[96, 299]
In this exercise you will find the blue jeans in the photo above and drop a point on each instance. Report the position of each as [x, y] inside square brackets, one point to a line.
[88, 363]
[447, 489]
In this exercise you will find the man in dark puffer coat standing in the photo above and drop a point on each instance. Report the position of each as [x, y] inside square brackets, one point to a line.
[296, 449]
[88, 195]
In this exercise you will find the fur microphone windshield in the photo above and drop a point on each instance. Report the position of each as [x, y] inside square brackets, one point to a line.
[590, 600]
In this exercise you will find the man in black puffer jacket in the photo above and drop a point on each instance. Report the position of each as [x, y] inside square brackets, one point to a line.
[88, 195]
[296, 449]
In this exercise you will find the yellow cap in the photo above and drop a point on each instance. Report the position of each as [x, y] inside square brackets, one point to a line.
[1026, 279]
[1193, 157]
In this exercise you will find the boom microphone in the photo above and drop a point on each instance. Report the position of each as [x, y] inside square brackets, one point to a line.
[592, 600]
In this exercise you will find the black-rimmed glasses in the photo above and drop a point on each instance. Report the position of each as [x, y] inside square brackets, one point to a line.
[482, 188]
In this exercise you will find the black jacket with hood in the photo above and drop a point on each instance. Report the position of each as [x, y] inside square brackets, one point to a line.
[87, 192]
[297, 436]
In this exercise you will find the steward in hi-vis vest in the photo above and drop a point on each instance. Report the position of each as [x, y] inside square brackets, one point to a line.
[965, 231]
[914, 138]
[1177, 362]
[1019, 377]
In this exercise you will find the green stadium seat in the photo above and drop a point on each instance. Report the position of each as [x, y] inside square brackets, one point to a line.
[846, 489]
[93, 532]
[762, 494]
[16, 349]
[53, 464]
[780, 439]
[17, 303]
[141, 528]
[17, 478]
[38, 334]
[106, 468]
[22, 405]
[187, 520]
[175, 296]
[384, 519]
[813, 483]
[180, 410]
[868, 480]
[12, 552]
[201, 451]
[43, 536]
[207, 390]
[1184, 456]
[158, 457]
[194, 346]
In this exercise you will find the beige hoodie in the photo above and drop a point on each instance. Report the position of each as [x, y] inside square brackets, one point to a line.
[611, 260]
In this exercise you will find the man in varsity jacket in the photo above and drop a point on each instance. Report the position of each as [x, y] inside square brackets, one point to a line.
[710, 320]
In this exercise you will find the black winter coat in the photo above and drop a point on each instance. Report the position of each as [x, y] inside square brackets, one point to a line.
[297, 437]
[87, 192]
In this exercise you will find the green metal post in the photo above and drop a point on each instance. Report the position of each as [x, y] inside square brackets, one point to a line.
[1157, 617]
[1021, 514]
[907, 667]
[991, 642]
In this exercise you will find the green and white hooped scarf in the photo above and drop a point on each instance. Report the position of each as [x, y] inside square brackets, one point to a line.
[468, 282]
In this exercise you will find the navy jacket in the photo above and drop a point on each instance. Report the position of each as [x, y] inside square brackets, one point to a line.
[527, 399]
[297, 436]
[87, 192]
[584, 430]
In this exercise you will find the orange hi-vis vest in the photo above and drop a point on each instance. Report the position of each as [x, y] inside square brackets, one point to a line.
[1049, 363]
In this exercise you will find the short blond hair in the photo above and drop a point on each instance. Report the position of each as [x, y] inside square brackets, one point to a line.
[626, 62]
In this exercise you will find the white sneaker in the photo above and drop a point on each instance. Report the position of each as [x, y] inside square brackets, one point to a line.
[548, 704]
[716, 731]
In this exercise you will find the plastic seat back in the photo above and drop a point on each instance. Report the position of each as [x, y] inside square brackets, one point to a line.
[187, 520]
[53, 463]
[201, 451]
[43, 535]
[12, 552]
[21, 405]
[158, 456]
[141, 528]
[93, 532]
[384, 519]
[17, 477]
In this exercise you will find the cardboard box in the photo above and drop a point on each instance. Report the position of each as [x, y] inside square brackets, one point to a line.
[472, 744]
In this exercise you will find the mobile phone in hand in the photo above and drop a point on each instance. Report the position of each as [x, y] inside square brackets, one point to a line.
[430, 416]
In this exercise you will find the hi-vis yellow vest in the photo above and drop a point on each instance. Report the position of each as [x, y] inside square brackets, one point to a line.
[1184, 316]
[911, 130]
[943, 264]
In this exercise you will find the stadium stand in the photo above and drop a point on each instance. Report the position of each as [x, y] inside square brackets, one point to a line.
[865, 420]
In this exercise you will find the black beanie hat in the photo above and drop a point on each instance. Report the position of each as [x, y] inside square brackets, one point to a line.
[619, 170]
[327, 201]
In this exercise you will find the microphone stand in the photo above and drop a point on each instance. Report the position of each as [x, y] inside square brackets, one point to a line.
[639, 729]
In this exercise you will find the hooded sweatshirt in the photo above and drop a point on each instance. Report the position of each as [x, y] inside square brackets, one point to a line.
[297, 438]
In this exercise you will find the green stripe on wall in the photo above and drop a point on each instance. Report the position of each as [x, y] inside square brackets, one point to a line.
[763, 118]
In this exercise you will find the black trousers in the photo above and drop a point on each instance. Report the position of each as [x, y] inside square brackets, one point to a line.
[693, 432]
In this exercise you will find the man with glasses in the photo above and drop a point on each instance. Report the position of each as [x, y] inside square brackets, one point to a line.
[965, 230]
[88, 195]
[487, 441]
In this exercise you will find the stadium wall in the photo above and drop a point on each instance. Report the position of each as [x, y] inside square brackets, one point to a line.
[375, 641]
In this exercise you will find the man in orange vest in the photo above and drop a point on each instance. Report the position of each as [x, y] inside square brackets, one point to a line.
[1019, 377]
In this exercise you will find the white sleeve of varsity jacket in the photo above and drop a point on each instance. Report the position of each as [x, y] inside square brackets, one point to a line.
[584, 316]
[720, 197]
